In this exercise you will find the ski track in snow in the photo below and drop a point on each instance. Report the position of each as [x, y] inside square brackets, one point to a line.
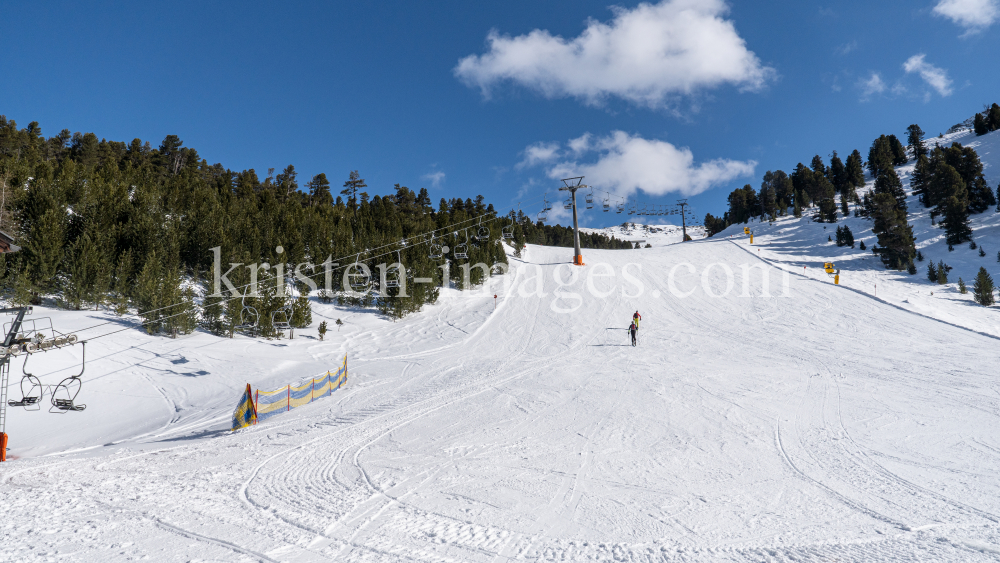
[826, 425]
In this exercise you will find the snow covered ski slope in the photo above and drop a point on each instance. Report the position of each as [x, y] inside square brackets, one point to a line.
[806, 423]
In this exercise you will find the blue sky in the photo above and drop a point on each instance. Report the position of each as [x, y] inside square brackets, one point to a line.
[661, 100]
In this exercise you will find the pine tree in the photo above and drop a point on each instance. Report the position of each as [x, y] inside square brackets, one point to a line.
[956, 220]
[980, 125]
[932, 274]
[855, 171]
[898, 152]
[961, 286]
[817, 165]
[212, 308]
[301, 311]
[993, 120]
[880, 156]
[319, 190]
[888, 182]
[322, 330]
[121, 283]
[862, 246]
[354, 183]
[982, 289]
[147, 291]
[915, 139]
[942, 272]
[45, 247]
[895, 235]
[84, 265]
[920, 178]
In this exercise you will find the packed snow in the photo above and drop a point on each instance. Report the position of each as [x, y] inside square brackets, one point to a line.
[795, 420]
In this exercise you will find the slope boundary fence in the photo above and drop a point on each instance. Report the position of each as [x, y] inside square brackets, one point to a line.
[257, 405]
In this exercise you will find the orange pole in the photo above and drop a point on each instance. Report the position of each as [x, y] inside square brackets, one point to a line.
[289, 404]
[3, 446]
[256, 404]
[312, 393]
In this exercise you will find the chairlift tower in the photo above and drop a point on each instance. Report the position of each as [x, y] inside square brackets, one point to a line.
[571, 185]
[682, 203]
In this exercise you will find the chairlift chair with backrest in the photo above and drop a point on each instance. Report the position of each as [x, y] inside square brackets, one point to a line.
[482, 233]
[281, 318]
[507, 232]
[568, 204]
[462, 248]
[359, 281]
[32, 396]
[249, 317]
[619, 207]
[436, 250]
[590, 199]
[606, 204]
[392, 279]
[65, 392]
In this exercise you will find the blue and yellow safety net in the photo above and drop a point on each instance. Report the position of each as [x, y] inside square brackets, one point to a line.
[269, 403]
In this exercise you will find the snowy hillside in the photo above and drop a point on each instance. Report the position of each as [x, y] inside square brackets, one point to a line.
[655, 235]
[808, 423]
[802, 243]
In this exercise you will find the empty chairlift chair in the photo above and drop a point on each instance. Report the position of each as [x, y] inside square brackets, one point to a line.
[65, 392]
[462, 249]
[436, 251]
[358, 279]
[482, 233]
[249, 317]
[32, 396]
[392, 278]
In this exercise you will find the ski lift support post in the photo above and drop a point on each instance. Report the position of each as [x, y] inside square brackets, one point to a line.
[571, 185]
[8, 341]
[681, 203]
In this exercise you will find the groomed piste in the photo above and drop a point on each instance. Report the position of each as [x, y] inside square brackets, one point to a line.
[815, 422]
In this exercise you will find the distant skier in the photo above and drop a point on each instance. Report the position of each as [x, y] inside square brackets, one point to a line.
[633, 329]
[635, 319]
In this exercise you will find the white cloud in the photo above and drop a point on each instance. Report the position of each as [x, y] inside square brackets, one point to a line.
[538, 153]
[973, 15]
[625, 163]
[935, 77]
[435, 178]
[847, 47]
[644, 56]
[871, 86]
